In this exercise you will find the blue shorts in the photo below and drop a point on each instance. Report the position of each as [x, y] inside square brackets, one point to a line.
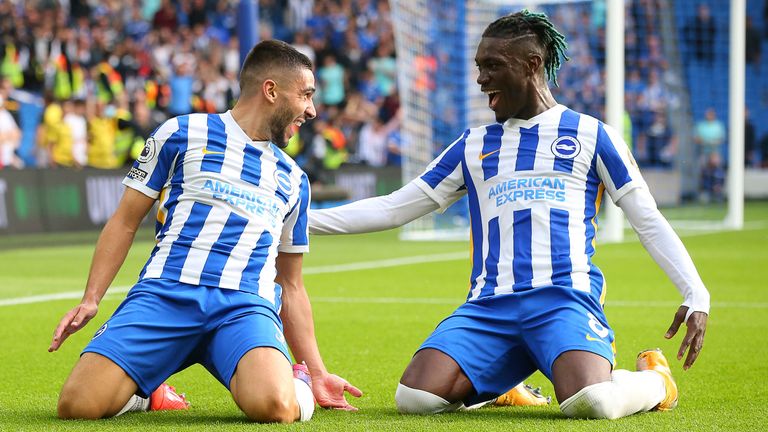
[165, 326]
[501, 340]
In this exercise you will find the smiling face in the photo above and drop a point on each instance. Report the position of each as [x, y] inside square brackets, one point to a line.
[504, 76]
[293, 106]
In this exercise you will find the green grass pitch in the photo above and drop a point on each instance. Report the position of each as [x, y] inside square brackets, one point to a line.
[370, 320]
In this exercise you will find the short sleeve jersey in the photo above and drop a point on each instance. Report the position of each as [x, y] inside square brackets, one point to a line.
[227, 204]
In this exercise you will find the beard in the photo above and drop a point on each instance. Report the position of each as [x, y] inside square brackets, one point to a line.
[278, 124]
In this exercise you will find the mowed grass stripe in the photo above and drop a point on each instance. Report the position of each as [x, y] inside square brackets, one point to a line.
[387, 300]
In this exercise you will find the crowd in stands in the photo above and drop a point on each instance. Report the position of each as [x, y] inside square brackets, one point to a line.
[83, 83]
[648, 98]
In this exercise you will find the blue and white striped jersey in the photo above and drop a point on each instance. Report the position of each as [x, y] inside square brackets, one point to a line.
[227, 204]
[534, 188]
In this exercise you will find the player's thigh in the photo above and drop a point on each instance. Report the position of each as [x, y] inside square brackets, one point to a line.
[478, 344]
[567, 334]
[242, 324]
[97, 387]
[154, 332]
[262, 386]
[435, 372]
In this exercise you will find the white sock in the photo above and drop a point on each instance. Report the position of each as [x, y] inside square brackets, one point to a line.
[305, 399]
[415, 401]
[627, 393]
[135, 403]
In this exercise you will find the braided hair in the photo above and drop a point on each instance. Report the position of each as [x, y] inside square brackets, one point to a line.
[530, 24]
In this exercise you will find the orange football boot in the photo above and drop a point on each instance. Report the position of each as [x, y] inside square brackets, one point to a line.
[165, 398]
[523, 395]
[654, 360]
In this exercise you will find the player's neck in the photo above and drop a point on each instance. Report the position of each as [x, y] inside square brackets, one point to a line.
[255, 126]
[541, 100]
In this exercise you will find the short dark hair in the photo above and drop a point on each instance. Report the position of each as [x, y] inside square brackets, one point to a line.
[526, 23]
[270, 58]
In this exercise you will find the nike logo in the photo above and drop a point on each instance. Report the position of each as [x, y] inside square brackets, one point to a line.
[594, 339]
[207, 152]
[485, 155]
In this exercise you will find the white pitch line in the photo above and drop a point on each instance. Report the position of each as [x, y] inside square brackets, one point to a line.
[363, 265]
[42, 298]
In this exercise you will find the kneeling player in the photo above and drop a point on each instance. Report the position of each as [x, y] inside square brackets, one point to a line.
[534, 181]
[225, 273]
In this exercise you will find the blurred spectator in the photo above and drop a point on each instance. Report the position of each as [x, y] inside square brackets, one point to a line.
[763, 152]
[77, 125]
[136, 28]
[165, 17]
[357, 111]
[660, 141]
[329, 149]
[180, 84]
[634, 87]
[754, 44]
[373, 148]
[102, 131]
[145, 121]
[394, 147]
[301, 43]
[701, 33]
[299, 12]
[710, 133]
[712, 179]
[765, 19]
[10, 137]
[55, 138]
[384, 67]
[331, 81]
[751, 156]
[124, 131]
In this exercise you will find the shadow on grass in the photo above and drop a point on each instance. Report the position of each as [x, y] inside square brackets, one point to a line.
[487, 413]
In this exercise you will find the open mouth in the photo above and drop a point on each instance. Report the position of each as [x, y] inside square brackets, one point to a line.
[493, 98]
[291, 130]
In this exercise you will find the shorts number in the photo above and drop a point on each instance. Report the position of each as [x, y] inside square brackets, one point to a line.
[596, 327]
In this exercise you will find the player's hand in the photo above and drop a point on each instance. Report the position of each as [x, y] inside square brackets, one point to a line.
[329, 392]
[694, 336]
[73, 321]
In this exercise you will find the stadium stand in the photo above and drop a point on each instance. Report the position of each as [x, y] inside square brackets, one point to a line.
[125, 69]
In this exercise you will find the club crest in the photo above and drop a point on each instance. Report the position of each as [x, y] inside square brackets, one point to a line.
[566, 147]
[283, 181]
[100, 331]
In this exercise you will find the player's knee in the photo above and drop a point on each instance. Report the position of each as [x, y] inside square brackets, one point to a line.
[597, 401]
[276, 408]
[76, 404]
[415, 401]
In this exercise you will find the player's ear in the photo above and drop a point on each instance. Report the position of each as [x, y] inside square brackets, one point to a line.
[269, 88]
[534, 63]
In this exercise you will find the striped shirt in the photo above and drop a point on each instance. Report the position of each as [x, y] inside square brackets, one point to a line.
[534, 188]
[227, 204]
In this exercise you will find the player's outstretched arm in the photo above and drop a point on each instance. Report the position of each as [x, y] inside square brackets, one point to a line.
[666, 248]
[296, 313]
[373, 214]
[111, 249]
